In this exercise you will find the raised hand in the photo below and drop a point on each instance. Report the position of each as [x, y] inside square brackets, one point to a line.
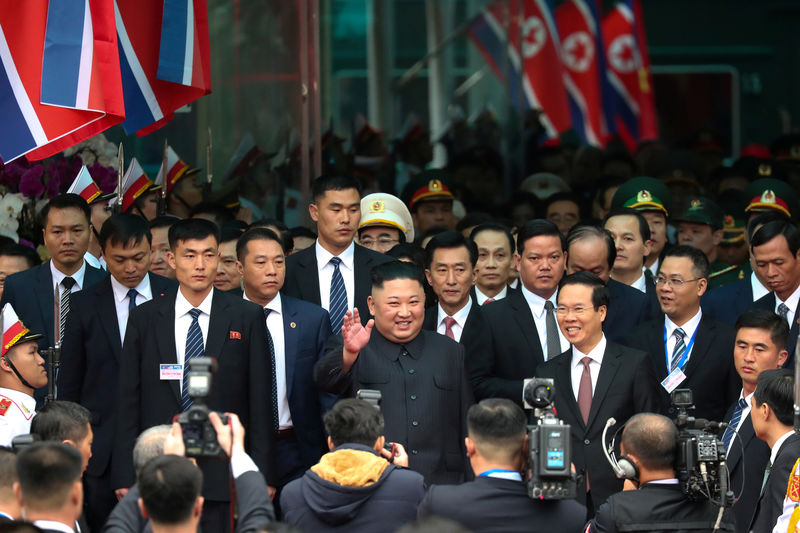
[355, 337]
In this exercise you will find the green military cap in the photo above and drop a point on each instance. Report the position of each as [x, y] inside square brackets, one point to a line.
[643, 194]
[769, 194]
[701, 211]
[732, 202]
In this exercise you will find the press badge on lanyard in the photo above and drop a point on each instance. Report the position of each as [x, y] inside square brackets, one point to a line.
[170, 371]
[676, 377]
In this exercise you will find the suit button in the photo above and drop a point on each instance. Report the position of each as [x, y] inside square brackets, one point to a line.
[586, 442]
[413, 396]
[414, 452]
[415, 423]
[411, 371]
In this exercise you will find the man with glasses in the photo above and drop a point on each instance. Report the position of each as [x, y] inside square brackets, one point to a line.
[595, 379]
[688, 350]
[385, 222]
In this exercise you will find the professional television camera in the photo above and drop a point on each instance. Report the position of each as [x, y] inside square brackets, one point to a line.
[700, 464]
[549, 456]
[199, 436]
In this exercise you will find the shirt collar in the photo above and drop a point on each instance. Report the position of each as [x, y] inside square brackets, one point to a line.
[391, 350]
[792, 301]
[92, 260]
[182, 305]
[460, 315]
[640, 283]
[536, 302]
[59, 276]
[324, 256]
[759, 291]
[777, 446]
[596, 353]
[688, 328]
[481, 297]
[121, 291]
[274, 305]
[25, 401]
[669, 481]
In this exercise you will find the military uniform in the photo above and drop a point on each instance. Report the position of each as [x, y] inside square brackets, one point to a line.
[16, 412]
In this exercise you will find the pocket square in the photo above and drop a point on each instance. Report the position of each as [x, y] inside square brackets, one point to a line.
[236, 335]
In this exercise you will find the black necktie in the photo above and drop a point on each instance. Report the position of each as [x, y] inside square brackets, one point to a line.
[66, 290]
[551, 331]
[274, 372]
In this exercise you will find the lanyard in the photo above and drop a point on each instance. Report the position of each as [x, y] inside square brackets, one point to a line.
[685, 355]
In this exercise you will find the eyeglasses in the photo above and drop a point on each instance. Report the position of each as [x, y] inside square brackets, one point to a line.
[563, 310]
[383, 242]
[675, 283]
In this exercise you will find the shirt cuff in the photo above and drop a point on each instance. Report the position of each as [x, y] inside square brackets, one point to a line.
[241, 463]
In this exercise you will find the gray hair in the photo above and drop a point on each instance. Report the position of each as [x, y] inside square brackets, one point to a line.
[149, 444]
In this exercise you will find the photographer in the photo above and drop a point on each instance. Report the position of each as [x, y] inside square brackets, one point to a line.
[498, 500]
[353, 487]
[649, 443]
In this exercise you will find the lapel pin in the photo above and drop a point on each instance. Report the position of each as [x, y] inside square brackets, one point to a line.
[236, 335]
[292, 325]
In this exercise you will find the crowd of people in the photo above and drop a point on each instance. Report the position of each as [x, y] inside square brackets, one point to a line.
[437, 313]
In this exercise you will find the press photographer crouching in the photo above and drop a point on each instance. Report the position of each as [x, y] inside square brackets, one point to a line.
[652, 499]
[498, 500]
[354, 488]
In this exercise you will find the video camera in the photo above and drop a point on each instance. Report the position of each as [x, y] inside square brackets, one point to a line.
[199, 436]
[700, 460]
[549, 455]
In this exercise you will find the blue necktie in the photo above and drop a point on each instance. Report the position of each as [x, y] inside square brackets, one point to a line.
[727, 437]
[338, 302]
[274, 372]
[132, 299]
[194, 348]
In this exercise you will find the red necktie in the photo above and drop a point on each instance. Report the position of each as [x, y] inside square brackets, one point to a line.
[449, 322]
[585, 390]
[487, 301]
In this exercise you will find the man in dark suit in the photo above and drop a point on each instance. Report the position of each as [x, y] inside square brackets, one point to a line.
[687, 349]
[498, 498]
[495, 261]
[163, 335]
[298, 331]
[33, 292]
[760, 338]
[523, 324]
[591, 249]
[9, 507]
[450, 271]
[773, 421]
[334, 273]
[421, 375]
[595, 380]
[776, 256]
[93, 345]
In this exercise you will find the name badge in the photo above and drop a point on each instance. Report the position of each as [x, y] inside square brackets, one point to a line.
[674, 379]
[168, 371]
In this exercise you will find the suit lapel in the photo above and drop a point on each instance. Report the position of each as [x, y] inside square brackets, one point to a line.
[217, 326]
[608, 370]
[565, 383]
[308, 276]
[657, 349]
[361, 276]
[524, 317]
[107, 312]
[290, 341]
[165, 339]
[746, 433]
[46, 297]
[702, 342]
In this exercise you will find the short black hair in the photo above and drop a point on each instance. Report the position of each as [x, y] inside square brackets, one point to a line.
[762, 218]
[644, 227]
[450, 239]
[192, 229]
[123, 228]
[287, 239]
[47, 471]
[775, 387]
[169, 486]
[255, 234]
[220, 213]
[696, 256]
[61, 420]
[498, 422]
[494, 226]
[408, 250]
[396, 270]
[354, 421]
[653, 439]
[8, 468]
[230, 233]
[333, 182]
[767, 320]
[472, 219]
[20, 250]
[265, 222]
[164, 221]
[589, 279]
[302, 231]
[563, 196]
[536, 228]
[774, 228]
[66, 201]
[582, 232]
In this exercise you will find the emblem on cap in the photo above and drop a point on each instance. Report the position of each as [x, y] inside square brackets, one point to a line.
[765, 169]
[729, 222]
[434, 185]
[768, 197]
[644, 196]
[695, 205]
[377, 207]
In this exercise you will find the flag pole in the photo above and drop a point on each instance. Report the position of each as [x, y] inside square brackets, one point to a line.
[162, 201]
[209, 170]
[120, 171]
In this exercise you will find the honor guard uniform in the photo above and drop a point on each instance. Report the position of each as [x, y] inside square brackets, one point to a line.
[21, 372]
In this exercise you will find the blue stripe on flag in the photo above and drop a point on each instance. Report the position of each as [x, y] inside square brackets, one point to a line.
[172, 53]
[137, 112]
[623, 111]
[578, 118]
[62, 52]
[15, 136]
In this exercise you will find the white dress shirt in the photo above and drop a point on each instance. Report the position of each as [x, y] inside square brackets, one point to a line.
[576, 368]
[346, 267]
[759, 291]
[275, 327]
[96, 262]
[536, 303]
[460, 317]
[59, 276]
[481, 298]
[745, 414]
[121, 300]
[777, 446]
[183, 320]
[688, 328]
[640, 283]
[791, 302]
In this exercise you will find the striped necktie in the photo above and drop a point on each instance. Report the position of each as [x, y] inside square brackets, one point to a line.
[680, 347]
[338, 301]
[727, 437]
[63, 310]
[194, 348]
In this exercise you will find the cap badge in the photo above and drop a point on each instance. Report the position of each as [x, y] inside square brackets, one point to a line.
[696, 205]
[644, 196]
[434, 186]
[765, 169]
[377, 207]
[729, 222]
[768, 197]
